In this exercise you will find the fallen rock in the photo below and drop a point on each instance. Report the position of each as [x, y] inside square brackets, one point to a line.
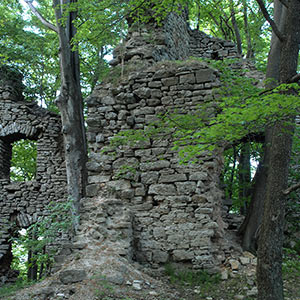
[224, 274]
[72, 276]
[46, 292]
[248, 254]
[117, 278]
[234, 264]
[245, 260]
[137, 284]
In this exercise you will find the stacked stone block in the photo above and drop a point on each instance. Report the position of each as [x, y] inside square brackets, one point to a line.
[175, 206]
[174, 40]
[202, 45]
[22, 203]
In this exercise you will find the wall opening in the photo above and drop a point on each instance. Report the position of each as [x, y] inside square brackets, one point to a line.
[19, 255]
[23, 160]
[29, 260]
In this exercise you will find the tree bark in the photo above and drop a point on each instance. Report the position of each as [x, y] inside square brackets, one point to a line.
[236, 29]
[244, 177]
[273, 64]
[252, 222]
[250, 227]
[250, 51]
[70, 104]
[269, 268]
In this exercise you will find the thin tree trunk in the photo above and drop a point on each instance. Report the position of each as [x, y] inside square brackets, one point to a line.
[232, 173]
[244, 177]
[250, 51]
[251, 223]
[236, 29]
[31, 259]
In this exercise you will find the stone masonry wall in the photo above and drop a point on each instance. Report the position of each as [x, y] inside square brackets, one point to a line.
[175, 209]
[22, 203]
[202, 45]
[174, 40]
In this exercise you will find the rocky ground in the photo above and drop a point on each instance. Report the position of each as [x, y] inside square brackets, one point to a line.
[113, 278]
[97, 271]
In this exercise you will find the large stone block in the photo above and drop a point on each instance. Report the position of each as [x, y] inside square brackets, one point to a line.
[182, 255]
[162, 189]
[172, 178]
[72, 276]
[160, 256]
[149, 177]
[155, 165]
[206, 75]
[186, 188]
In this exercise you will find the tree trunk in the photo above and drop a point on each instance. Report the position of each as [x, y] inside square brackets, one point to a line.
[70, 104]
[232, 173]
[236, 29]
[250, 51]
[244, 177]
[273, 65]
[32, 260]
[252, 222]
[249, 227]
[269, 268]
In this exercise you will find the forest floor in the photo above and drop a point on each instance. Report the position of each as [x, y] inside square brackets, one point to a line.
[166, 283]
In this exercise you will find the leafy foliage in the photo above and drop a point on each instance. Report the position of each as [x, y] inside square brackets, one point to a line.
[291, 262]
[41, 237]
[230, 175]
[10, 289]
[238, 110]
[215, 18]
[184, 276]
[23, 162]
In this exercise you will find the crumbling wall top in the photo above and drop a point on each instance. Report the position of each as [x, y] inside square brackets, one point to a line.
[11, 86]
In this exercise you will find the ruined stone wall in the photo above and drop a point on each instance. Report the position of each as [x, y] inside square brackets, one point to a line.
[202, 45]
[174, 209]
[22, 203]
[174, 40]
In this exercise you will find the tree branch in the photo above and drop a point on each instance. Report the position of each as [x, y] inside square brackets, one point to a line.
[295, 78]
[40, 17]
[291, 188]
[270, 20]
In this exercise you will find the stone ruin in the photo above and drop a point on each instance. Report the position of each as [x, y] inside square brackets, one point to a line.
[169, 212]
[22, 203]
[140, 199]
